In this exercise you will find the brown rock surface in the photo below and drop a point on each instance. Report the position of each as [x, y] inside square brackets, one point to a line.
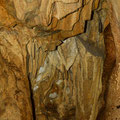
[52, 55]
[14, 85]
[112, 109]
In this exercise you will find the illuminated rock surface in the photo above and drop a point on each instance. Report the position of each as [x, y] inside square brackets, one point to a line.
[59, 60]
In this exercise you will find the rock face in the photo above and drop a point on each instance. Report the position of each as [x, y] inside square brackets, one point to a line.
[112, 108]
[64, 86]
[56, 57]
[14, 88]
[53, 20]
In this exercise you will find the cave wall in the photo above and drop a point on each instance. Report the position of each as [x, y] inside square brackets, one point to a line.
[55, 58]
[112, 108]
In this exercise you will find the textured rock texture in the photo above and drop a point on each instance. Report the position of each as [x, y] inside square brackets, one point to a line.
[15, 100]
[54, 20]
[58, 59]
[112, 108]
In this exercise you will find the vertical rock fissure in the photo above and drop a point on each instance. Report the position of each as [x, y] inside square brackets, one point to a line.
[32, 99]
[30, 86]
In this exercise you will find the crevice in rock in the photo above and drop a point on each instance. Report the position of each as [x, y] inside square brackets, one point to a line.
[30, 86]
[32, 99]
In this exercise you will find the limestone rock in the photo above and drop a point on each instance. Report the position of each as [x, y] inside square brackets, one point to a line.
[15, 102]
[64, 86]
[112, 97]
[56, 57]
